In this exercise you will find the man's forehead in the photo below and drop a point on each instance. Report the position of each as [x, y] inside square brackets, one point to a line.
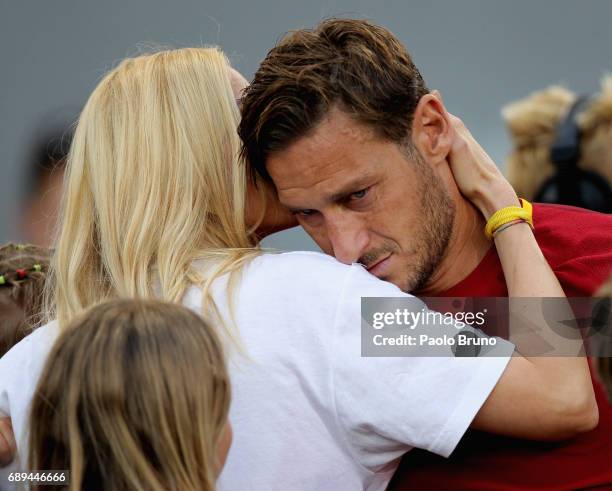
[293, 175]
[314, 186]
[304, 166]
[333, 149]
[337, 126]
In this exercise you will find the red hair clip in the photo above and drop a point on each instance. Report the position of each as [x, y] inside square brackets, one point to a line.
[21, 274]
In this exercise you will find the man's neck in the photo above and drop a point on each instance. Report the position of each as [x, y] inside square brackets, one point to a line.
[466, 248]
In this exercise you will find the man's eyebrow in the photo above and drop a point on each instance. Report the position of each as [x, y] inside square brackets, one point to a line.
[350, 187]
[294, 209]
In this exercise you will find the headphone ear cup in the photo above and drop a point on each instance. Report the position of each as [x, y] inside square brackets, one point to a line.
[595, 193]
[549, 191]
[570, 185]
[591, 191]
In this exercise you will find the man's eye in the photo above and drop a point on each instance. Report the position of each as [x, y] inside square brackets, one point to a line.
[304, 213]
[359, 194]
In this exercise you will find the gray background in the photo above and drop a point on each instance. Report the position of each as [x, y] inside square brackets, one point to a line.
[481, 54]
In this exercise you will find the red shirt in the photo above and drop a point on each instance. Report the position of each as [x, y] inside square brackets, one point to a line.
[578, 246]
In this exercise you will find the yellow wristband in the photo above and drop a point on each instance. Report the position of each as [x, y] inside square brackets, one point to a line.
[509, 214]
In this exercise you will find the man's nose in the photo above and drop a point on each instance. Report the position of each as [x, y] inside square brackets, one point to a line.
[349, 238]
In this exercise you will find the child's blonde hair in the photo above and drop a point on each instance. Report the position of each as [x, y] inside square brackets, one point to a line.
[134, 396]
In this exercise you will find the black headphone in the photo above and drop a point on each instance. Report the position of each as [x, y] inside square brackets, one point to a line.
[570, 185]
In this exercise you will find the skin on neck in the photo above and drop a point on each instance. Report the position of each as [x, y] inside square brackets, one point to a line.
[467, 247]
[468, 244]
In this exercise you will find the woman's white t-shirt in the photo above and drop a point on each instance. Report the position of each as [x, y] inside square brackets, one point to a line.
[308, 411]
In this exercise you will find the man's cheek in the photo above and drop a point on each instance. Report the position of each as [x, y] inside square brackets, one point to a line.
[320, 238]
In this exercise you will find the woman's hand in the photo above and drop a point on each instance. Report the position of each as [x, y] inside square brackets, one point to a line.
[558, 390]
[8, 446]
[476, 175]
[265, 212]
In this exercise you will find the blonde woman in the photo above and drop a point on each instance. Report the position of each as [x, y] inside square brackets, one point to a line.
[116, 403]
[157, 205]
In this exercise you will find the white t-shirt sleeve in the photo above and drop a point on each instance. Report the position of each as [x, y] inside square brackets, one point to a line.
[388, 405]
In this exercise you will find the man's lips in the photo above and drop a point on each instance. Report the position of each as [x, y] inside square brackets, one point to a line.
[380, 267]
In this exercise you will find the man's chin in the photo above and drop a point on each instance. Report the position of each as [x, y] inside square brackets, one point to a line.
[406, 285]
[414, 282]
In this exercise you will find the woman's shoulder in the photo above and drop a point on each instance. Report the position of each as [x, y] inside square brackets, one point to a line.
[310, 280]
[295, 272]
[300, 261]
[299, 271]
[277, 269]
[274, 278]
[314, 269]
[295, 280]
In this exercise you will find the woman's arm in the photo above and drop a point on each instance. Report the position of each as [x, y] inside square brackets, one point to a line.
[536, 397]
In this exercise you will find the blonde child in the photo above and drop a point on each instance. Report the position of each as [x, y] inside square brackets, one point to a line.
[134, 396]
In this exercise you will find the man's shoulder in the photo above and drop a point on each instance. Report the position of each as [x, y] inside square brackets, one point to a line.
[576, 244]
[551, 214]
[568, 232]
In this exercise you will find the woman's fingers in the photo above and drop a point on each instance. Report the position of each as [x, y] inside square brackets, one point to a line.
[8, 446]
[476, 175]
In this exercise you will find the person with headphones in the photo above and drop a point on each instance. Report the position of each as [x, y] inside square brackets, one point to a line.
[562, 147]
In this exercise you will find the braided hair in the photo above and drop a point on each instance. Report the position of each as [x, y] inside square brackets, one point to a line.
[23, 271]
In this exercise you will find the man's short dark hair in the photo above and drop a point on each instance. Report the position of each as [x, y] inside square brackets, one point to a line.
[359, 67]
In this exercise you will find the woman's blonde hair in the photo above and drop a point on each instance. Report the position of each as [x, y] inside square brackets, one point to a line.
[134, 395]
[153, 182]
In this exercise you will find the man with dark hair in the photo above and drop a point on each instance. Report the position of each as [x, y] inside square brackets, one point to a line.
[346, 95]
[341, 121]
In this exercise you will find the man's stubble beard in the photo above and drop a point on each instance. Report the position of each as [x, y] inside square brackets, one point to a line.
[437, 220]
[434, 230]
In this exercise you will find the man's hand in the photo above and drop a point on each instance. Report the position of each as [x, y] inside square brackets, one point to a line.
[476, 175]
[8, 446]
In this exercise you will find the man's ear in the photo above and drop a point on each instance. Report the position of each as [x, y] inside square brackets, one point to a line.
[432, 133]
